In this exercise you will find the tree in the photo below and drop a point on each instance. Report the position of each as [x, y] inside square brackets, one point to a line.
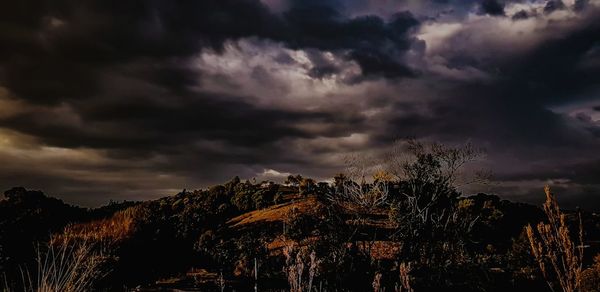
[429, 176]
[306, 185]
[425, 207]
[322, 188]
[294, 180]
[354, 193]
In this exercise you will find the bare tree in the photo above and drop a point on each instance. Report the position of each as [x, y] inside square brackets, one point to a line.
[425, 202]
[431, 174]
[359, 189]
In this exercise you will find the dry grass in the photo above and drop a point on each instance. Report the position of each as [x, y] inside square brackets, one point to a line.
[110, 230]
[381, 249]
[66, 268]
[377, 283]
[301, 268]
[280, 243]
[402, 286]
[559, 258]
[405, 279]
[277, 213]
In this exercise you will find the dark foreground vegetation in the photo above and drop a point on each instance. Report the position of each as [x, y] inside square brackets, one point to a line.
[403, 228]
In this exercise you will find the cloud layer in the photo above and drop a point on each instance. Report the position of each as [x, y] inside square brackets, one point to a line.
[121, 100]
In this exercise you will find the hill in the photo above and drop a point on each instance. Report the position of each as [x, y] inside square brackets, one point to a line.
[207, 238]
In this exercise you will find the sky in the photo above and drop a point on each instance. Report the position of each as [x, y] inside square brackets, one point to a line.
[133, 100]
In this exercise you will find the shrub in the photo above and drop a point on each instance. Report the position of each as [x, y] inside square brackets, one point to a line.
[242, 200]
[263, 198]
[206, 241]
[300, 225]
[278, 198]
[27, 217]
[590, 278]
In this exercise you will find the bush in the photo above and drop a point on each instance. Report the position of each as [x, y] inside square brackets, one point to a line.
[242, 200]
[263, 198]
[206, 241]
[300, 225]
[590, 278]
[27, 217]
[278, 198]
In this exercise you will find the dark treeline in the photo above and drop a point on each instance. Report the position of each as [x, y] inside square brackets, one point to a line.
[403, 228]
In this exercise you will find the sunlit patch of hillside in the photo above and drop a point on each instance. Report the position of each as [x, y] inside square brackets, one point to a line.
[277, 213]
[110, 230]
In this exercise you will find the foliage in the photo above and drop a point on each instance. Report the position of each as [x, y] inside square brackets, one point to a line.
[432, 222]
[248, 197]
[590, 278]
[300, 225]
[396, 225]
[27, 217]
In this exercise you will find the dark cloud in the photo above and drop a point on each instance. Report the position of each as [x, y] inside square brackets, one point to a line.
[117, 76]
[373, 63]
[551, 73]
[374, 44]
[578, 172]
[522, 14]
[575, 184]
[580, 5]
[322, 66]
[140, 98]
[514, 112]
[553, 5]
[492, 7]
[59, 50]
[184, 119]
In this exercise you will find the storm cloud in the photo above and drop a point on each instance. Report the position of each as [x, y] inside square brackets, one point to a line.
[121, 100]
